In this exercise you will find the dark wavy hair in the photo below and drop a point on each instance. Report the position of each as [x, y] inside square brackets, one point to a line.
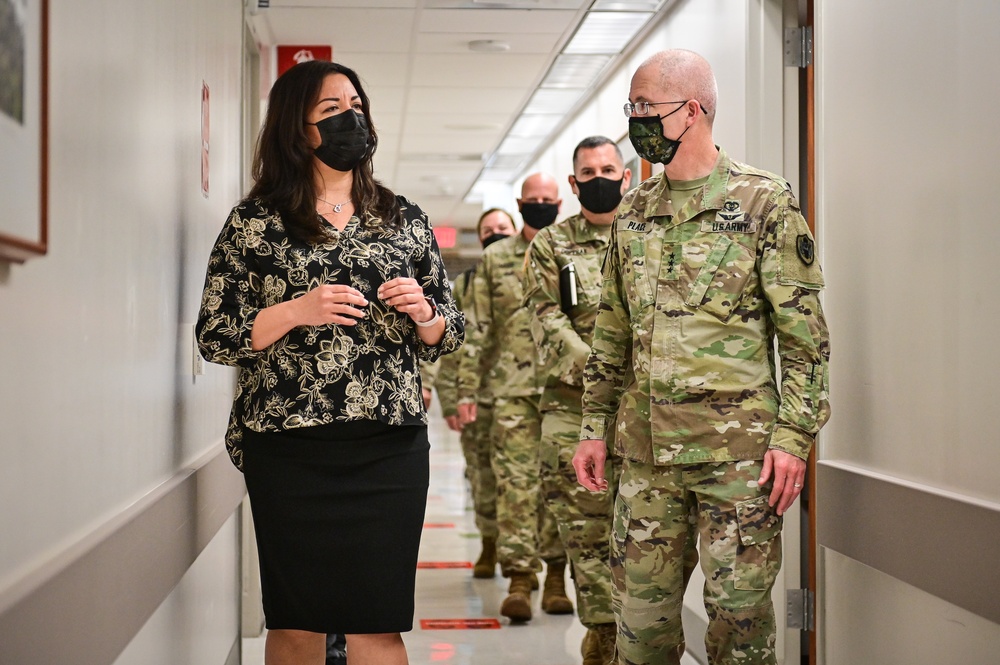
[283, 168]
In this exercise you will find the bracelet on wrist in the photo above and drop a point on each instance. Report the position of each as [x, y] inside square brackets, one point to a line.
[434, 311]
[428, 324]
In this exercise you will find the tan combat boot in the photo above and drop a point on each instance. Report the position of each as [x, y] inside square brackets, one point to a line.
[605, 636]
[517, 605]
[590, 650]
[486, 565]
[554, 600]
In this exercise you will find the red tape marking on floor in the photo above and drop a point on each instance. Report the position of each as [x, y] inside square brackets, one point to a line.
[459, 624]
[444, 564]
[439, 525]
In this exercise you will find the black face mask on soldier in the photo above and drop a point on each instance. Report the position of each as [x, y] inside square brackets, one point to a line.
[539, 215]
[490, 239]
[600, 195]
[343, 140]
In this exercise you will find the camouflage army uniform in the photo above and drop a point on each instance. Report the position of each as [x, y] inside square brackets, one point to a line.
[502, 345]
[562, 340]
[683, 355]
[476, 435]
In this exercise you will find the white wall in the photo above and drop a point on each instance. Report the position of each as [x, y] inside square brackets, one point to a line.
[97, 402]
[717, 29]
[906, 144]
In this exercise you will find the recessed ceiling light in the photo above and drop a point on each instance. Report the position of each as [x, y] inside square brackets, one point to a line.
[488, 46]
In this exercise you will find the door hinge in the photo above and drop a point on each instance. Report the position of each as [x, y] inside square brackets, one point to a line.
[800, 609]
[799, 46]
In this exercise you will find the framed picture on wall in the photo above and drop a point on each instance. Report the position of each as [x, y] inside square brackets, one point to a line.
[23, 129]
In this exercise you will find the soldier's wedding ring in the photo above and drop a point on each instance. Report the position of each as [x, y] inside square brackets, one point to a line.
[796, 485]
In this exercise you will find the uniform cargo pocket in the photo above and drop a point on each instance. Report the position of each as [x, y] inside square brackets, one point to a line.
[620, 524]
[719, 286]
[758, 552]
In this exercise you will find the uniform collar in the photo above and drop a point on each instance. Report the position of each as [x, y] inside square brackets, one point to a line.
[713, 194]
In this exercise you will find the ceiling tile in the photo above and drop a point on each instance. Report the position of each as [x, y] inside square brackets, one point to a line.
[345, 4]
[351, 30]
[459, 101]
[496, 20]
[376, 70]
[506, 70]
[458, 42]
[462, 124]
[453, 143]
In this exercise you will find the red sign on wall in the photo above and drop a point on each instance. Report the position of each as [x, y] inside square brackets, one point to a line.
[293, 55]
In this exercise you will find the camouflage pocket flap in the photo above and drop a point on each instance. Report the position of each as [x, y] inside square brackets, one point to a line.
[757, 521]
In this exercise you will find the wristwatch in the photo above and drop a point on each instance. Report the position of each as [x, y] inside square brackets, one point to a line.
[433, 319]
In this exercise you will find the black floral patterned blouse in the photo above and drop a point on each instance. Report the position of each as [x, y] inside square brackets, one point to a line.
[321, 374]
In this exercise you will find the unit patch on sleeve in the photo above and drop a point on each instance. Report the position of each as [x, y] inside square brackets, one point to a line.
[806, 248]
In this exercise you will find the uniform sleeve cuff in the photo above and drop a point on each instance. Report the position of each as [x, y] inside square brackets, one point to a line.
[791, 441]
[593, 427]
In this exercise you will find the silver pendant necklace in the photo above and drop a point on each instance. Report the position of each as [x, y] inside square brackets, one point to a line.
[336, 206]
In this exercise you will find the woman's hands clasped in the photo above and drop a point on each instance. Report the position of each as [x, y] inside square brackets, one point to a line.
[405, 295]
[331, 303]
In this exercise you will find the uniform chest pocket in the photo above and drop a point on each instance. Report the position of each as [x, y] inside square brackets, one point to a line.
[588, 277]
[719, 285]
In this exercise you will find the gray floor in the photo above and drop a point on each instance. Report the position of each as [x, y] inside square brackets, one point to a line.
[454, 594]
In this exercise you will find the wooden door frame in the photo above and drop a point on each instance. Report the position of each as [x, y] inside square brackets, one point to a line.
[807, 155]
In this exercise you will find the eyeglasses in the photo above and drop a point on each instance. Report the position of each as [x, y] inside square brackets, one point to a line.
[642, 108]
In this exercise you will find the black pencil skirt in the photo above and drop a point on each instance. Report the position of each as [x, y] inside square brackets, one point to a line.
[338, 510]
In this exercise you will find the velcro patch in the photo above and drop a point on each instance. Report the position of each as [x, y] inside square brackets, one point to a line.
[637, 227]
[729, 226]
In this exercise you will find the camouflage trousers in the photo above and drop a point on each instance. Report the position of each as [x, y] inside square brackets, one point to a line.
[477, 449]
[527, 532]
[658, 513]
[583, 517]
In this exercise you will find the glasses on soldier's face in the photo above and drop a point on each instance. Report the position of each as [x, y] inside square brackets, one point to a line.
[642, 108]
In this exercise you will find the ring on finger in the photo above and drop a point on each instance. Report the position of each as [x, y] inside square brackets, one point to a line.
[796, 485]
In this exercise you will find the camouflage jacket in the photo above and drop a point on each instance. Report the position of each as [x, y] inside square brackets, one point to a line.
[563, 334]
[446, 383]
[500, 354]
[691, 304]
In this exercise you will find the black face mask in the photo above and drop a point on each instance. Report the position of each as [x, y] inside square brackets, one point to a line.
[539, 215]
[489, 240]
[344, 140]
[600, 195]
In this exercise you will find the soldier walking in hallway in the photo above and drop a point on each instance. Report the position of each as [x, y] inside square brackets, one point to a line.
[527, 533]
[562, 289]
[495, 224]
[709, 264]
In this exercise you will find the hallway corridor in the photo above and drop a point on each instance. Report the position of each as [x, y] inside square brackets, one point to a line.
[451, 593]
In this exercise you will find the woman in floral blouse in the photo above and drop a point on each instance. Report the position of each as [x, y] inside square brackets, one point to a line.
[325, 289]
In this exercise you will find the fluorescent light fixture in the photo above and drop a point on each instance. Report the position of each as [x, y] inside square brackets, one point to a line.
[503, 162]
[498, 175]
[606, 32]
[575, 71]
[553, 100]
[535, 125]
[626, 5]
[515, 145]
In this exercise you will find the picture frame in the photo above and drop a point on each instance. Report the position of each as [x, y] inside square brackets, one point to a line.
[24, 51]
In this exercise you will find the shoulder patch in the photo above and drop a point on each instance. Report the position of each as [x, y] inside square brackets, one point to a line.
[806, 248]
